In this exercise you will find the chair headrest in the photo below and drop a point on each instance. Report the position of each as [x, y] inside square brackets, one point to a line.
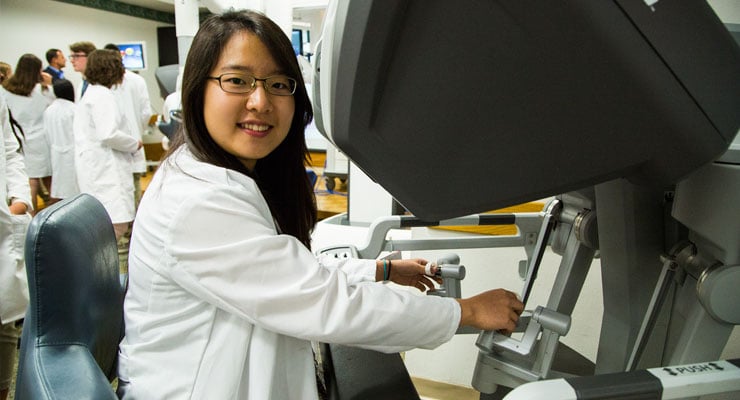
[73, 273]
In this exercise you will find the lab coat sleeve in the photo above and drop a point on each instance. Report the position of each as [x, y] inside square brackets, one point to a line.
[275, 282]
[109, 135]
[145, 112]
[357, 270]
[16, 178]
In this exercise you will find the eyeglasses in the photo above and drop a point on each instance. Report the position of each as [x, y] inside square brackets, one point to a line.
[77, 55]
[242, 84]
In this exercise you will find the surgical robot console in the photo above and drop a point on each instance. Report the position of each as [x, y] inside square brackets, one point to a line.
[624, 110]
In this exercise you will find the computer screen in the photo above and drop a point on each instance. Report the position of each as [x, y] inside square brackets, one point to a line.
[297, 40]
[134, 55]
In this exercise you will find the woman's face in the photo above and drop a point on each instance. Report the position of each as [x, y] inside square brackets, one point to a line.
[249, 126]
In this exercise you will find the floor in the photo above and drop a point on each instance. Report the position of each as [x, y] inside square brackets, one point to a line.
[328, 202]
[431, 390]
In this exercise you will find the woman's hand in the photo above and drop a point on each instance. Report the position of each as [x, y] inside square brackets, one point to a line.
[409, 273]
[45, 80]
[18, 208]
[494, 310]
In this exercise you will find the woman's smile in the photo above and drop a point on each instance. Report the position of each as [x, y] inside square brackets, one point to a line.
[255, 129]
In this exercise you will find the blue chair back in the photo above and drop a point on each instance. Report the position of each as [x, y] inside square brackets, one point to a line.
[74, 321]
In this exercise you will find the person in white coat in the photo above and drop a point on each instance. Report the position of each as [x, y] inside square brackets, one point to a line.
[14, 219]
[103, 149]
[58, 122]
[27, 93]
[137, 112]
[136, 107]
[225, 295]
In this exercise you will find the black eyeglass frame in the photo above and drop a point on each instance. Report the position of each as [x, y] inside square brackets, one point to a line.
[293, 83]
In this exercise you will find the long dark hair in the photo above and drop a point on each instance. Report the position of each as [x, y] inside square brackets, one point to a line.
[281, 175]
[27, 75]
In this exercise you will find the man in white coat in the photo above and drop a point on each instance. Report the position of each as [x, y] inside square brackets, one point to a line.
[15, 192]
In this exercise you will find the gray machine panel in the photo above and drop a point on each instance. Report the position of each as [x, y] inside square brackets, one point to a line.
[489, 103]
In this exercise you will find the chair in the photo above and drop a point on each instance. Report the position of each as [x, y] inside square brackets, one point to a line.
[74, 320]
[352, 373]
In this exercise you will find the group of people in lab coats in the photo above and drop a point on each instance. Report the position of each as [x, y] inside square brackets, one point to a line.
[93, 145]
[51, 155]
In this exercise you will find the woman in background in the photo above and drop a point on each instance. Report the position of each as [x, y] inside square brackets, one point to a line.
[5, 71]
[225, 295]
[103, 149]
[58, 124]
[27, 95]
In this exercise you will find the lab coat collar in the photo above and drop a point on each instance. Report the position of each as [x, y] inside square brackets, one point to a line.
[184, 159]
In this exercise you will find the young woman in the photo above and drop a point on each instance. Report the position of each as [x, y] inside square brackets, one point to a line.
[14, 219]
[103, 149]
[27, 95]
[224, 295]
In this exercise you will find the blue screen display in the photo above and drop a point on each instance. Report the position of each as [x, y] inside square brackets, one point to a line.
[297, 39]
[134, 56]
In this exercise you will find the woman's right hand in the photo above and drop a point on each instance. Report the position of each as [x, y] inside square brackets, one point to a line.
[18, 208]
[45, 80]
[494, 310]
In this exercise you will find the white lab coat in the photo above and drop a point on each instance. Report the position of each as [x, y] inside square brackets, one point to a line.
[133, 101]
[103, 153]
[13, 185]
[221, 306]
[58, 121]
[29, 112]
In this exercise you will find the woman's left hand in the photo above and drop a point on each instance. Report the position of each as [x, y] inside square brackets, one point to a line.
[411, 273]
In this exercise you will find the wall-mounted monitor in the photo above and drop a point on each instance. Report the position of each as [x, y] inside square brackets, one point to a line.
[134, 55]
[297, 40]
